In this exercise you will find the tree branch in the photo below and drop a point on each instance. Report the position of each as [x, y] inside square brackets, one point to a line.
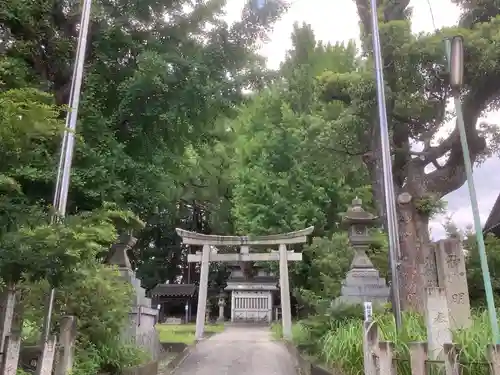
[452, 175]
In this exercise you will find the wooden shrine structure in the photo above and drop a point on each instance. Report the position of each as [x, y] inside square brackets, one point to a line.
[173, 300]
[211, 243]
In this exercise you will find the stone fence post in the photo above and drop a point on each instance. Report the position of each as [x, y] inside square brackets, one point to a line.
[452, 277]
[385, 357]
[418, 356]
[437, 321]
[493, 354]
[67, 337]
[45, 362]
[11, 323]
[10, 358]
[370, 346]
[379, 356]
[7, 304]
[451, 363]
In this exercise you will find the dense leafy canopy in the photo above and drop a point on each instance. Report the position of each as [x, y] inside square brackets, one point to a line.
[418, 94]
[181, 125]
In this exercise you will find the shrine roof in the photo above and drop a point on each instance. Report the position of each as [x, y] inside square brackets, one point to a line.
[173, 290]
[193, 238]
[492, 224]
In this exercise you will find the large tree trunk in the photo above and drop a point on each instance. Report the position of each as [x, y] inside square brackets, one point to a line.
[417, 263]
[373, 161]
[417, 266]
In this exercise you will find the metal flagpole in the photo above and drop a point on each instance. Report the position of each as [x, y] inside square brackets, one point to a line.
[73, 107]
[67, 143]
[390, 199]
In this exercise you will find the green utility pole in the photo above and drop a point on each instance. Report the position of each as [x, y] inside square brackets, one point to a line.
[454, 55]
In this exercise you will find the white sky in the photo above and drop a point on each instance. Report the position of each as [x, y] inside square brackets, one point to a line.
[337, 21]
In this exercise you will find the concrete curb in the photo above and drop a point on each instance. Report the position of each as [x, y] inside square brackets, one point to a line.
[177, 361]
[179, 358]
[303, 364]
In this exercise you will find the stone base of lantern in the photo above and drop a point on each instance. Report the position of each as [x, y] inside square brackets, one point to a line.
[363, 285]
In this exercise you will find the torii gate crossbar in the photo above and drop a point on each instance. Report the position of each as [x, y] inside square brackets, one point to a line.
[282, 255]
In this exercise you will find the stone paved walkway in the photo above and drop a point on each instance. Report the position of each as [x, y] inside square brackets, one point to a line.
[239, 351]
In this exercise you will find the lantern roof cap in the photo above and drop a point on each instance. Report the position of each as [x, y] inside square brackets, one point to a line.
[357, 215]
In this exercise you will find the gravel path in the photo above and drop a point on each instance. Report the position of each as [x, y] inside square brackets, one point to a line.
[239, 351]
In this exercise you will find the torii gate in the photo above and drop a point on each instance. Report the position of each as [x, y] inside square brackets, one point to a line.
[245, 242]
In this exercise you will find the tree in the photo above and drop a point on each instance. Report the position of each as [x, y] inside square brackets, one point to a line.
[287, 175]
[331, 258]
[154, 89]
[28, 126]
[417, 93]
[99, 299]
[37, 255]
[474, 273]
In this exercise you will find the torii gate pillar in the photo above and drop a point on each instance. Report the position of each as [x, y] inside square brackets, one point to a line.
[245, 242]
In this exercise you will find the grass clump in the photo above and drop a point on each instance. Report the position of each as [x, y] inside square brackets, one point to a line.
[337, 343]
[183, 333]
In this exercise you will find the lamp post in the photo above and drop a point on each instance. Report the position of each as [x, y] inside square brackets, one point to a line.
[455, 61]
[390, 199]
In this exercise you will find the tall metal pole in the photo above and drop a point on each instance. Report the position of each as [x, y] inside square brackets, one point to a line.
[67, 143]
[490, 301]
[390, 200]
[74, 105]
[455, 57]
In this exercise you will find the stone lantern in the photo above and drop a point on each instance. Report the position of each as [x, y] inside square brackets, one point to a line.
[221, 303]
[359, 222]
[208, 310]
[363, 282]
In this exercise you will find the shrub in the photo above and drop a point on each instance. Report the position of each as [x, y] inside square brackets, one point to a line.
[110, 357]
[342, 348]
[100, 300]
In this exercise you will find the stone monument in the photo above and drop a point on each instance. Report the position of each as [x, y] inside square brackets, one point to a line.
[452, 277]
[142, 316]
[437, 321]
[363, 282]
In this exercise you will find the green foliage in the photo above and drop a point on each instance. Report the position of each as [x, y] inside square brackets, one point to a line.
[289, 172]
[150, 138]
[29, 124]
[52, 252]
[112, 357]
[327, 261]
[99, 299]
[28, 118]
[184, 333]
[430, 206]
[20, 371]
[474, 272]
[339, 346]
[154, 88]
[417, 91]
[314, 327]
